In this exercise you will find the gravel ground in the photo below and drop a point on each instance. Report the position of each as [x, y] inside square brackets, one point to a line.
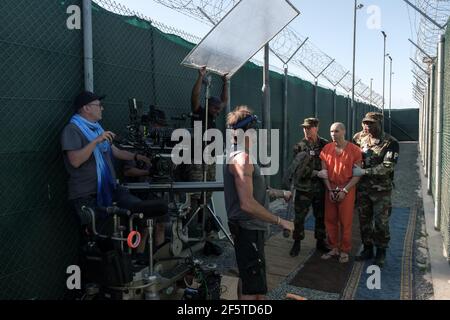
[407, 192]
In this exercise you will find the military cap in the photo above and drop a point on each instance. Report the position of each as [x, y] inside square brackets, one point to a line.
[310, 122]
[373, 117]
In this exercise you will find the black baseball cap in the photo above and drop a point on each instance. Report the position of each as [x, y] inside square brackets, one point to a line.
[214, 102]
[85, 98]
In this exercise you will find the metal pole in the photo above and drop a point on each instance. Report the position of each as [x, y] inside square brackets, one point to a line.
[424, 110]
[316, 98]
[87, 46]
[390, 96]
[349, 112]
[354, 67]
[228, 106]
[430, 130]
[334, 105]
[266, 100]
[424, 126]
[439, 124]
[285, 120]
[427, 116]
[384, 70]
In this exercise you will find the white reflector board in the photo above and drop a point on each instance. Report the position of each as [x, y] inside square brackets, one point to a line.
[240, 35]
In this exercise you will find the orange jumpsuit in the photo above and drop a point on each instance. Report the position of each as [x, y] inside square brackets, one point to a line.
[339, 215]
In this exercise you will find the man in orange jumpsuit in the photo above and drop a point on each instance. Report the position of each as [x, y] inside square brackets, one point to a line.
[338, 160]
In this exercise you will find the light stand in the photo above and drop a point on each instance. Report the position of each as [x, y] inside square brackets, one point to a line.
[204, 206]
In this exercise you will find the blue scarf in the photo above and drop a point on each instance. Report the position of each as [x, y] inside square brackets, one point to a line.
[105, 182]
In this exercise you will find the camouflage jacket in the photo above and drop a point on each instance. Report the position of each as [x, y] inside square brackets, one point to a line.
[379, 159]
[299, 172]
[305, 182]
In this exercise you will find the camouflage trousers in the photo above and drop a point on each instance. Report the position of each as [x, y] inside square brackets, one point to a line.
[374, 210]
[303, 201]
[195, 174]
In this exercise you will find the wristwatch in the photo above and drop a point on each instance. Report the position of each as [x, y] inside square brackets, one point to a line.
[345, 190]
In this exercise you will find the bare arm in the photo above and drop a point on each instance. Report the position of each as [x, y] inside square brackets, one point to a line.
[135, 172]
[242, 171]
[122, 154]
[195, 95]
[128, 156]
[354, 181]
[78, 157]
[326, 181]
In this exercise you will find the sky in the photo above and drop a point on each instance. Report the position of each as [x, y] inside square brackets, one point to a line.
[329, 25]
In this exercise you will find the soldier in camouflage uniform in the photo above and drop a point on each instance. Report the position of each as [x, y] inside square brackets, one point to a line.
[374, 205]
[310, 189]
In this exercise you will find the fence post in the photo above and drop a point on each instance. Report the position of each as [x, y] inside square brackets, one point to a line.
[424, 106]
[316, 98]
[285, 122]
[439, 122]
[430, 128]
[427, 106]
[266, 101]
[334, 105]
[87, 45]
[420, 127]
[348, 118]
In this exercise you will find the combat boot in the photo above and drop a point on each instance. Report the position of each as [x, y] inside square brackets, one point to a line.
[380, 257]
[366, 254]
[322, 246]
[295, 248]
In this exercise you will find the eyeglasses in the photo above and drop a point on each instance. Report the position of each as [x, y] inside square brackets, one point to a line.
[96, 104]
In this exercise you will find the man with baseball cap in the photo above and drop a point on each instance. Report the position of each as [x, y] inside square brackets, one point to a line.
[380, 155]
[88, 157]
[310, 190]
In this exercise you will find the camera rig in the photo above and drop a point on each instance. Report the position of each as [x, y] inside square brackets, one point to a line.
[149, 135]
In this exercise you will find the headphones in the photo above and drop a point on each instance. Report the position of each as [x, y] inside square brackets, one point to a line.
[248, 122]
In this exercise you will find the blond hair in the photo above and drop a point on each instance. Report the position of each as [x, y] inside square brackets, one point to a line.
[238, 114]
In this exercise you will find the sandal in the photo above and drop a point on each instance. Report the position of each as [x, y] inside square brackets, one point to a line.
[330, 254]
[344, 257]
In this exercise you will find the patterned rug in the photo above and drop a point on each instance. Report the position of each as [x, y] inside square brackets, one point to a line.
[351, 281]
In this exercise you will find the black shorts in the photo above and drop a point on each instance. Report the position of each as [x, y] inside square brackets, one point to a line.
[249, 249]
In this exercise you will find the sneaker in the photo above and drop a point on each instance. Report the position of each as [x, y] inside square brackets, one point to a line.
[344, 257]
[332, 253]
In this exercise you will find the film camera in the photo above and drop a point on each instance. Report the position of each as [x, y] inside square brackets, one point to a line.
[149, 134]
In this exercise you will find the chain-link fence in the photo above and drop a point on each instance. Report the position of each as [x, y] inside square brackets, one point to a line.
[434, 139]
[42, 71]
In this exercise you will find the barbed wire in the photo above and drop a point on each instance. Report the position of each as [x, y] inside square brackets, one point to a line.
[118, 8]
[285, 45]
[427, 39]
